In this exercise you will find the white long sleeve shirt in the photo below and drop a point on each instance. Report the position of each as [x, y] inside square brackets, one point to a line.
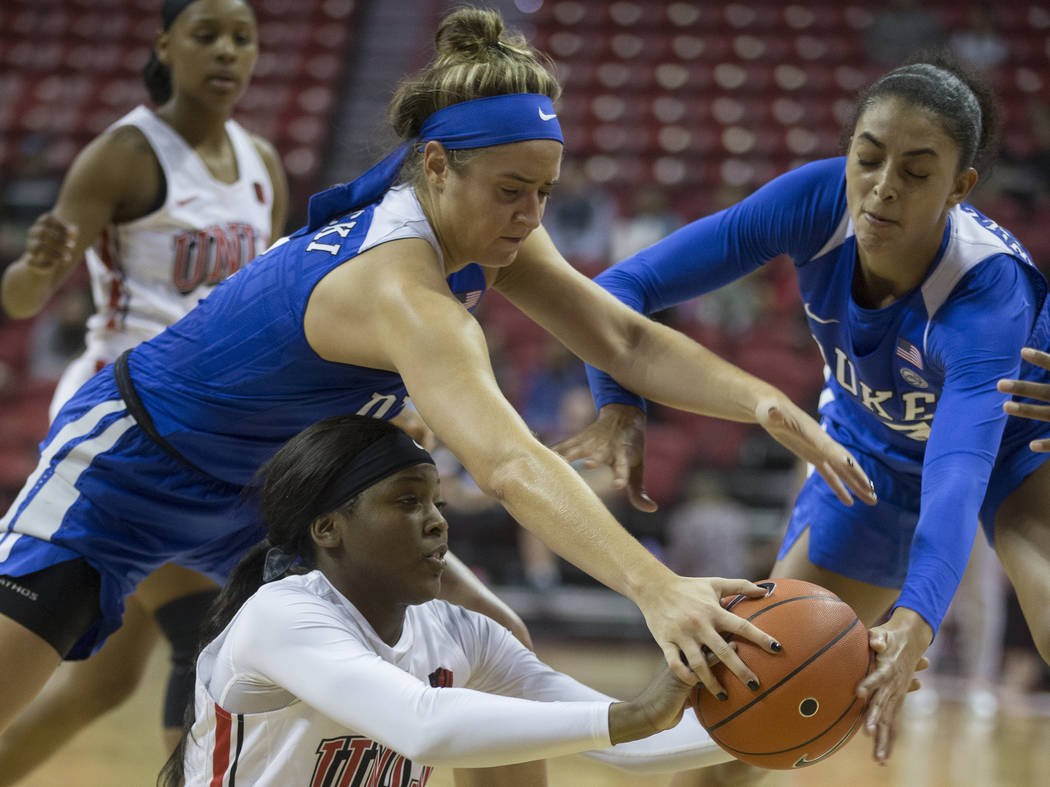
[300, 690]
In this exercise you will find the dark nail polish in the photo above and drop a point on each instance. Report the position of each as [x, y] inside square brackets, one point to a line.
[722, 696]
[753, 685]
[777, 647]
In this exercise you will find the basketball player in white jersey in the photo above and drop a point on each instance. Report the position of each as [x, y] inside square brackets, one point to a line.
[164, 204]
[329, 660]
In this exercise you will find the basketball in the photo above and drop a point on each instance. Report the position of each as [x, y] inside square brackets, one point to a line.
[806, 707]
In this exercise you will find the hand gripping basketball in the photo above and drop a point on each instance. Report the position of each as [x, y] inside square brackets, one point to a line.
[806, 707]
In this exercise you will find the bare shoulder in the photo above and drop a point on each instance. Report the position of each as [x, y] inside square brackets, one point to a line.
[266, 149]
[126, 140]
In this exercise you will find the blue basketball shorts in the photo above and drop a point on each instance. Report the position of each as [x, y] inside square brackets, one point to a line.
[105, 492]
[872, 543]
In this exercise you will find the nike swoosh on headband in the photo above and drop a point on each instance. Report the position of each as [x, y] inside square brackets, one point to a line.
[544, 115]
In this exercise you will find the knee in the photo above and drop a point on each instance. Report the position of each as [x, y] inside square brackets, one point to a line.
[106, 692]
[1041, 637]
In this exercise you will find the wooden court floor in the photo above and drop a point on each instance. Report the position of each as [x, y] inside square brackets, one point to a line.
[944, 746]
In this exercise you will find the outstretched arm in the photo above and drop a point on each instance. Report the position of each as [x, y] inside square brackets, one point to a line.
[417, 328]
[663, 364]
[116, 174]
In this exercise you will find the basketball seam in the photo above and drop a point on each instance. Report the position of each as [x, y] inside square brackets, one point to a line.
[790, 675]
[799, 745]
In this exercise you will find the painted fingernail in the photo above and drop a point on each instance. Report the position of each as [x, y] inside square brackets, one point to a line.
[849, 461]
[871, 484]
[776, 646]
[722, 696]
[752, 684]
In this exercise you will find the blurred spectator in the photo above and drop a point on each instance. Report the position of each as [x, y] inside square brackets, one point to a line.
[651, 220]
[579, 218]
[900, 29]
[1023, 169]
[980, 44]
[546, 389]
[708, 534]
[33, 185]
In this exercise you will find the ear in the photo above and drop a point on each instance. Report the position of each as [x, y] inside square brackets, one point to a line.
[435, 164]
[964, 183]
[160, 46]
[325, 532]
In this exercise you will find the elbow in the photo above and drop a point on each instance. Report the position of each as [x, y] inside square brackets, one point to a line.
[510, 475]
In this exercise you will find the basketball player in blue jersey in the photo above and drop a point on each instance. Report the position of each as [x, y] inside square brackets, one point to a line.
[919, 304]
[366, 304]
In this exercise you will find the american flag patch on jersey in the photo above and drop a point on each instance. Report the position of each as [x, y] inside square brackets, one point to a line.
[469, 299]
[909, 352]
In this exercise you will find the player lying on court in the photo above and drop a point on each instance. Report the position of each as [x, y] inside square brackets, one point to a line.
[329, 659]
[919, 304]
[368, 303]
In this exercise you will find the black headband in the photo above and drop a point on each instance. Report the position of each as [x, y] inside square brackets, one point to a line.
[383, 458]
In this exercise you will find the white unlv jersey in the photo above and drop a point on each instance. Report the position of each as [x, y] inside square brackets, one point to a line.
[147, 273]
[299, 690]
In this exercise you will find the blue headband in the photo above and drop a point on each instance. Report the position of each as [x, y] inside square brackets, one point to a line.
[481, 123]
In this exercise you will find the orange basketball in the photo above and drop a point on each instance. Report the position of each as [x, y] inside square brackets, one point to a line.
[806, 707]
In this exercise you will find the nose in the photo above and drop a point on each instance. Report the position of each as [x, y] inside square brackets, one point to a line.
[225, 47]
[885, 186]
[530, 212]
[436, 523]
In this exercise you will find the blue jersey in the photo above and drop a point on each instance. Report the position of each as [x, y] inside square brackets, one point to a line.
[938, 351]
[225, 387]
[231, 382]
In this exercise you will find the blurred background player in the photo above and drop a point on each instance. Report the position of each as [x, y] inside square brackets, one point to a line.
[164, 205]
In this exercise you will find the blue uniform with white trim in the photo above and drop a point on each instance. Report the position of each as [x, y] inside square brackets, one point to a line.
[938, 351]
[225, 386]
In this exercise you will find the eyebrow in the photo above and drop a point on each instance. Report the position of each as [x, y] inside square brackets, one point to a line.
[525, 180]
[916, 152]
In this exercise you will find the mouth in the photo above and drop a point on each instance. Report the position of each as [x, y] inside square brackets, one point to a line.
[222, 81]
[437, 557]
[876, 220]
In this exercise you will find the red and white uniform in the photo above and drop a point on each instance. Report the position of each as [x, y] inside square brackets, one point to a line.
[147, 273]
[300, 690]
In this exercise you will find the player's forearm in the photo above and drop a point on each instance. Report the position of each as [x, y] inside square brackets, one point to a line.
[25, 289]
[670, 368]
[546, 496]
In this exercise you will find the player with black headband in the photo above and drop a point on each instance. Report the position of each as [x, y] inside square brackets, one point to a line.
[328, 659]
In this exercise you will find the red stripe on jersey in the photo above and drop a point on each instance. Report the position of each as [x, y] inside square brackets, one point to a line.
[220, 757]
[116, 284]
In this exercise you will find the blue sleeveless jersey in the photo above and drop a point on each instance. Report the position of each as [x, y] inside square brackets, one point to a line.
[226, 386]
[231, 382]
[937, 351]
